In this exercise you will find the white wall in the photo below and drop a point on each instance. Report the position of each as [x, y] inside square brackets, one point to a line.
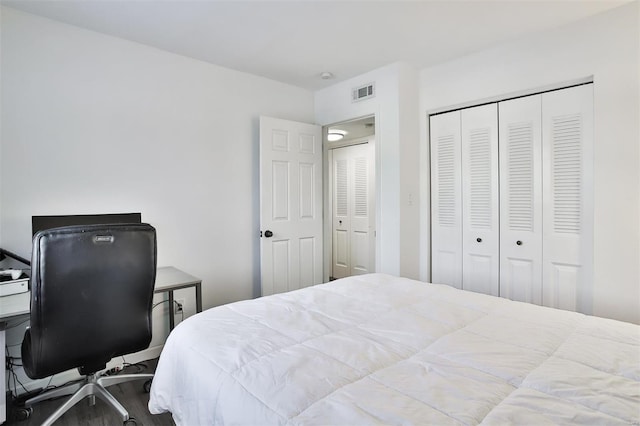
[409, 119]
[396, 88]
[1, 9]
[605, 47]
[96, 124]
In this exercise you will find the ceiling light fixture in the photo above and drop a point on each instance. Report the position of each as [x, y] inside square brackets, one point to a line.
[335, 135]
[326, 75]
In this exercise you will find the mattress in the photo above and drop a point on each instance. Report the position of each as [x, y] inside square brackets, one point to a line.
[377, 349]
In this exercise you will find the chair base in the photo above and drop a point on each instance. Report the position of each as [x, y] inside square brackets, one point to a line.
[91, 386]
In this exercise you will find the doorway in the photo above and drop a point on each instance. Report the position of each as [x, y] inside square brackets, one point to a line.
[350, 197]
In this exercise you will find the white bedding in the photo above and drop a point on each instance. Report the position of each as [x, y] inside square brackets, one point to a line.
[379, 349]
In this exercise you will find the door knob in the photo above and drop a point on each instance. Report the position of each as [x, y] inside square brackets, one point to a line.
[479, 240]
[268, 234]
[519, 242]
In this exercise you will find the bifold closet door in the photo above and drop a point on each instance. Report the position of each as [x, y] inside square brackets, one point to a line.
[512, 198]
[567, 159]
[353, 207]
[480, 208]
[521, 199]
[446, 201]
[341, 219]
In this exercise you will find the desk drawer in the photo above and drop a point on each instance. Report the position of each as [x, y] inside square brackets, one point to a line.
[9, 288]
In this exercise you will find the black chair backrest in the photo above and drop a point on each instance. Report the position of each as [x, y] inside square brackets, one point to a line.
[91, 296]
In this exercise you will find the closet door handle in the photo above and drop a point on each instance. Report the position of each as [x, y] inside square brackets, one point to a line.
[519, 242]
[479, 239]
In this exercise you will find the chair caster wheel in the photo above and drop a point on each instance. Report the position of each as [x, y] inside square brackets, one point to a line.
[147, 386]
[22, 413]
[130, 422]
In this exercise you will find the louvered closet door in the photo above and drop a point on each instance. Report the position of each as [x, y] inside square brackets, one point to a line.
[567, 134]
[521, 199]
[361, 200]
[480, 230]
[353, 222]
[446, 202]
[341, 223]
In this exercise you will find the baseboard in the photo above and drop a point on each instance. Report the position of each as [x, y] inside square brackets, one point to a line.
[71, 375]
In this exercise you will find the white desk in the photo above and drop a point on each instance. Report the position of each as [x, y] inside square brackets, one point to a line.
[14, 305]
[168, 279]
[11, 307]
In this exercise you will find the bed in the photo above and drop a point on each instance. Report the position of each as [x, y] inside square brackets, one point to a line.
[377, 349]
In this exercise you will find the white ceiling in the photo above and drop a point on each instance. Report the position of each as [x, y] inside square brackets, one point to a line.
[294, 41]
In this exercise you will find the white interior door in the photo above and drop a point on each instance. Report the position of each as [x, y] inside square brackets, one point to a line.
[567, 151]
[446, 205]
[521, 199]
[353, 221]
[290, 205]
[480, 208]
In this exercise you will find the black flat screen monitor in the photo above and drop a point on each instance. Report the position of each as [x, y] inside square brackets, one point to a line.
[38, 223]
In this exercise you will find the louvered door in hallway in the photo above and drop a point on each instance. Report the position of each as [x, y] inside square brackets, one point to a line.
[353, 198]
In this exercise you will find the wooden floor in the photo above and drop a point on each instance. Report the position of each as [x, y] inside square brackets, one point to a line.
[131, 395]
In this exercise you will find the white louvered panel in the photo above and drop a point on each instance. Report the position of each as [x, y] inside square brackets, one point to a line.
[447, 181]
[446, 198]
[360, 187]
[352, 222]
[568, 198]
[340, 220]
[566, 173]
[480, 251]
[480, 170]
[341, 188]
[521, 199]
[520, 181]
[362, 225]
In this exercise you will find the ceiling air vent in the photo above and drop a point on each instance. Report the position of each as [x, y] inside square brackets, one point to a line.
[363, 92]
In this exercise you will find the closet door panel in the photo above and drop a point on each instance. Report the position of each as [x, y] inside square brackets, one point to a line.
[567, 126]
[353, 209]
[341, 225]
[361, 205]
[521, 199]
[519, 279]
[446, 202]
[480, 208]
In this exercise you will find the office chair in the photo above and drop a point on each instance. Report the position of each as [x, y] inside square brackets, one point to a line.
[91, 300]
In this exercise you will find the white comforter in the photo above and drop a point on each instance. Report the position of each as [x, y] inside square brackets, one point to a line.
[379, 349]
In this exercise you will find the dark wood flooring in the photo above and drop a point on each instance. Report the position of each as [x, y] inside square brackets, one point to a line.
[131, 395]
